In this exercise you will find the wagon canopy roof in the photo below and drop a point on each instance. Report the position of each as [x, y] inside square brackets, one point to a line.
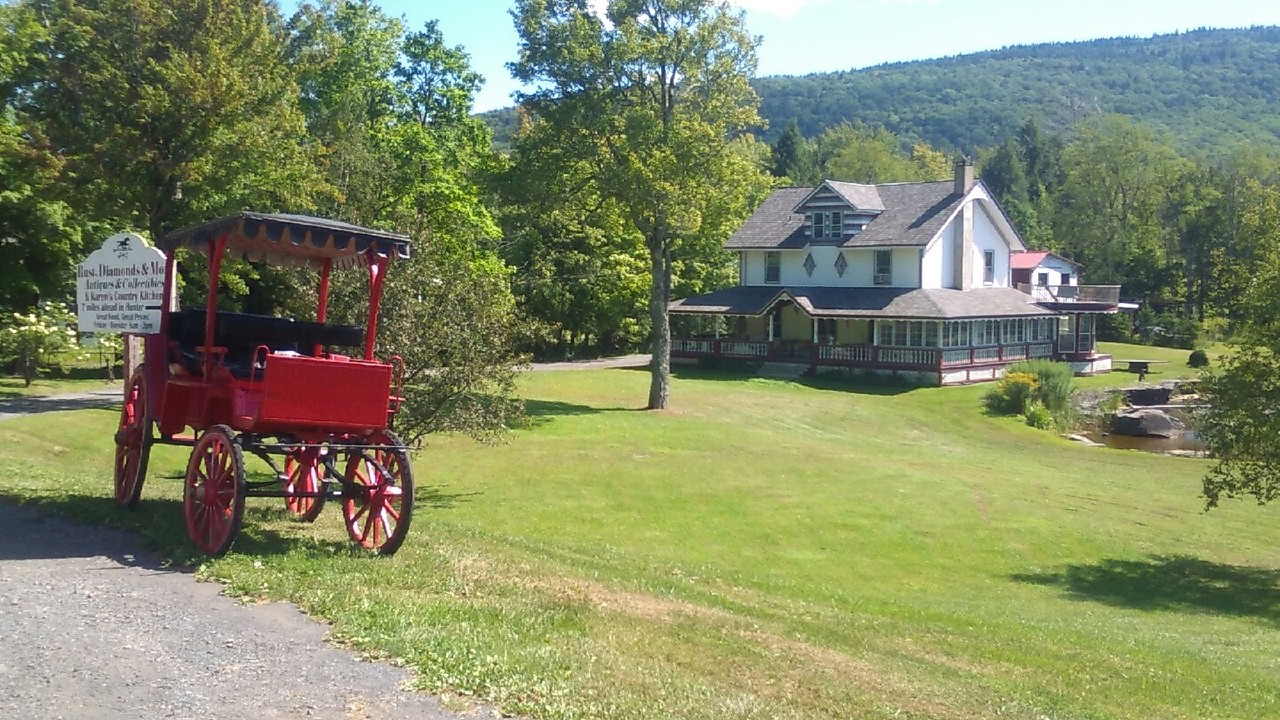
[291, 239]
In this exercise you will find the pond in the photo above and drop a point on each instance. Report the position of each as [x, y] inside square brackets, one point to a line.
[1188, 441]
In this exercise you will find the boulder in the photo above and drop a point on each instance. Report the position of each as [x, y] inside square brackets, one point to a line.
[1145, 422]
[1155, 395]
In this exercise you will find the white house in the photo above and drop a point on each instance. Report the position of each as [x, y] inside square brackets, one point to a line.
[909, 279]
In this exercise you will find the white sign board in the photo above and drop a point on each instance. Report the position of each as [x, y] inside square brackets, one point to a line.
[120, 287]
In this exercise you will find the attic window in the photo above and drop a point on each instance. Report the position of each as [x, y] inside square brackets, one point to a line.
[828, 225]
[809, 264]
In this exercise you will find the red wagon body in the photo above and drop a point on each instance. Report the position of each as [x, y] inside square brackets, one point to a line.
[230, 384]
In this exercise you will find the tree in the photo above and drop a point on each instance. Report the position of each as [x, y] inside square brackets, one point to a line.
[651, 97]
[791, 154]
[1115, 175]
[166, 112]
[41, 236]
[391, 111]
[579, 267]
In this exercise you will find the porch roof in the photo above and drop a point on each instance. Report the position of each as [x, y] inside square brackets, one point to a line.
[878, 302]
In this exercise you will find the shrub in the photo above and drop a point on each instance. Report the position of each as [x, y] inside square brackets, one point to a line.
[1198, 359]
[1054, 383]
[1011, 394]
[1038, 416]
[37, 340]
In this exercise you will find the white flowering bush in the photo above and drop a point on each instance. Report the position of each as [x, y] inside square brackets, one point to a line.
[32, 341]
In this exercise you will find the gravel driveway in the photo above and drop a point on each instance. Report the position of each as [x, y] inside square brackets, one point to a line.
[93, 628]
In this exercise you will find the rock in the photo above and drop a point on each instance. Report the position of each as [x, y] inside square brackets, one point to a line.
[1157, 395]
[1084, 440]
[1145, 422]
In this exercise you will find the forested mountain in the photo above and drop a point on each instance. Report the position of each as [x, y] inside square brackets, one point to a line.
[1209, 89]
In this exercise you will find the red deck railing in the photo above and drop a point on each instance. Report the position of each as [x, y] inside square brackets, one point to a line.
[868, 356]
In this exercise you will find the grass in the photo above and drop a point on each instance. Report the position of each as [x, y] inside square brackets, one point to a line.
[764, 549]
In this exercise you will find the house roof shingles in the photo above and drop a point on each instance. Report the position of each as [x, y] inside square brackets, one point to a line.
[913, 214]
[863, 302]
[862, 197]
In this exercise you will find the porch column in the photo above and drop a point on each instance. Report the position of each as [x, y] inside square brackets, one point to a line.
[768, 321]
[1077, 338]
[716, 320]
[815, 331]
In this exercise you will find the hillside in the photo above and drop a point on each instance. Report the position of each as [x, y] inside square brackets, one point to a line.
[1209, 89]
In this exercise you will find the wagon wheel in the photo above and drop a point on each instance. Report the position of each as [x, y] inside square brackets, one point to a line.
[133, 442]
[213, 495]
[377, 500]
[304, 474]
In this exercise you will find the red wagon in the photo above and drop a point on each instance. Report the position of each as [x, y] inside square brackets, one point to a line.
[307, 397]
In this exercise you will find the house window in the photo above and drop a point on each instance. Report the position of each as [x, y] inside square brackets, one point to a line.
[988, 266]
[819, 225]
[1041, 329]
[809, 265]
[986, 332]
[908, 333]
[826, 331]
[955, 334]
[884, 268]
[837, 224]
[772, 267]
[1066, 278]
[1042, 279]
[841, 264]
[775, 324]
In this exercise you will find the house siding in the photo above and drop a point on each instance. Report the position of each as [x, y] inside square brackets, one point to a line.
[987, 237]
[905, 266]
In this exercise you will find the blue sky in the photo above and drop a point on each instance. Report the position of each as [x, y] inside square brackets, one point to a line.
[805, 36]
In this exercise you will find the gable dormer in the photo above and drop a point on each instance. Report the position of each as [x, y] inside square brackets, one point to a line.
[835, 211]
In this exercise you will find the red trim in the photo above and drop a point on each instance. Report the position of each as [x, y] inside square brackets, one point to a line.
[377, 273]
[323, 306]
[216, 249]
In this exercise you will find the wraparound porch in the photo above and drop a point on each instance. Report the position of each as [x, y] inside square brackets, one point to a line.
[935, 352]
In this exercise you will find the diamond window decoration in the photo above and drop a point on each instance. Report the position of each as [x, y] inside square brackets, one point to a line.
[809, 264]
[841, 264]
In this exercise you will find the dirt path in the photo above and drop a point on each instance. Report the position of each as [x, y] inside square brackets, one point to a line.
[623, 361]
[108, 396]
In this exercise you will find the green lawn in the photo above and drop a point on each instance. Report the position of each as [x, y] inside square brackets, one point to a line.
[764, 549]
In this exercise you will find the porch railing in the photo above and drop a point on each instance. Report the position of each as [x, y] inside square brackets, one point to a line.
[1092, 294]
[845, 353]
[725, 348]
[861, 355]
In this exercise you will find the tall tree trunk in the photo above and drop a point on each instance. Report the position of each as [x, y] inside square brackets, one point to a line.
[659, 293]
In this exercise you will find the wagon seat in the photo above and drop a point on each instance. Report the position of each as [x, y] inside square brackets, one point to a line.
[243, 333]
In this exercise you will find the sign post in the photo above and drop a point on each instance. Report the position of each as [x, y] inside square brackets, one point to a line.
[120, 288]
